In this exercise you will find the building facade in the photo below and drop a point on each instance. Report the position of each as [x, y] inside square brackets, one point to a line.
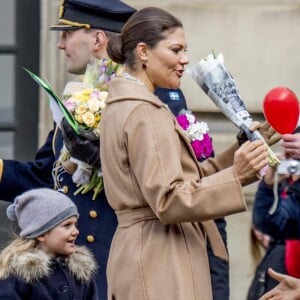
[259, 41]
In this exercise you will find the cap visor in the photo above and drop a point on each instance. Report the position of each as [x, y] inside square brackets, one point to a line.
[64, 27]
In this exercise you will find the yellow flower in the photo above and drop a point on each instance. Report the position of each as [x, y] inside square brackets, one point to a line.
[80, 109]
[89, 119]
[83, 95]
[78, 118]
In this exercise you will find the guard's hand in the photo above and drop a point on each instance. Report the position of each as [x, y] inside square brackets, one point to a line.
[80, 147]
[270, 135]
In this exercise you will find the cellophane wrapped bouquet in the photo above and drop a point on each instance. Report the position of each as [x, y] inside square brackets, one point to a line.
[215, 80]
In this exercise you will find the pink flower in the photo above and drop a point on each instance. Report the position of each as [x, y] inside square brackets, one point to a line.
[201, 141]
[70, 105]
[203, 149]
[183, 121]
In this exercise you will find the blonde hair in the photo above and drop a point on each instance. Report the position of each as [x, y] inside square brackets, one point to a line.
[18, 246]
[256, 249]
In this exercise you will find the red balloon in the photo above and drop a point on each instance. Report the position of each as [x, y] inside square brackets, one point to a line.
[281, 109]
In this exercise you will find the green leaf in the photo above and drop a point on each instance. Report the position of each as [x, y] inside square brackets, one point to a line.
[47, 87]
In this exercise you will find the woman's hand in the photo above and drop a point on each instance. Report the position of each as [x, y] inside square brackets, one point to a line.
[249, 159]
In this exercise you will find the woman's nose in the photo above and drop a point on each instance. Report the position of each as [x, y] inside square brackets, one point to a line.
[184, 59]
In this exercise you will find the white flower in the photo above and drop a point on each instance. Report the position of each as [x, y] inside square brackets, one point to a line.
[197, 130]
[103, 95]
[94, 104]
[211, 58]
[191, 118]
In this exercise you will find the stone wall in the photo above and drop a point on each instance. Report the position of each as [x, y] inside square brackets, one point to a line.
[259, 41]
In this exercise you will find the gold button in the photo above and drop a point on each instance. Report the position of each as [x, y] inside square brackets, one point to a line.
[65, 189]
[90, 238]
[93, 214]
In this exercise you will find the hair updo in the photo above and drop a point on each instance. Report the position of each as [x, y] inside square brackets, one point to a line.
[148, 25]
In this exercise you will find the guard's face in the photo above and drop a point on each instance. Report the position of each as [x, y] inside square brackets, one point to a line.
[167, 60]
[77, 46]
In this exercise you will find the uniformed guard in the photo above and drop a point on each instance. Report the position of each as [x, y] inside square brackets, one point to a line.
[97, 220]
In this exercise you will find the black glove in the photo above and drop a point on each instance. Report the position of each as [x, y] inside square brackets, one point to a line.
[244, 135]
[80, 147]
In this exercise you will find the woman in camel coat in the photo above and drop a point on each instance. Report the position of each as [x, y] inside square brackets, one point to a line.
[152, 178]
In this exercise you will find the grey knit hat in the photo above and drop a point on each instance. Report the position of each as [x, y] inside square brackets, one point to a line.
[39, 210]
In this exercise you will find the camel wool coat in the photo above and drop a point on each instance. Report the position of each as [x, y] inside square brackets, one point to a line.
[163, 198]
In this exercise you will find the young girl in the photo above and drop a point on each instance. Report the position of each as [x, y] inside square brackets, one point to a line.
[43, 262]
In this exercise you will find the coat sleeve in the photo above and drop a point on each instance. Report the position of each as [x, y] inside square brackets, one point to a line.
[92, 292]
[220, 161]
[13, 289]
[168, 175]
[17, 177]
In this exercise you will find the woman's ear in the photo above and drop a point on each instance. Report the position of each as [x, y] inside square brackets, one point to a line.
[142, 51]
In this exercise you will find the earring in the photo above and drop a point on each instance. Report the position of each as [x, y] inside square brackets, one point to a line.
[144, 61]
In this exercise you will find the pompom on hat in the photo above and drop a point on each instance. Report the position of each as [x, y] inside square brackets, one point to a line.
[40, 210]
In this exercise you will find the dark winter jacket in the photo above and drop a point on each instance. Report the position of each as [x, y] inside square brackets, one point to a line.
[285, 222]
[37, 276]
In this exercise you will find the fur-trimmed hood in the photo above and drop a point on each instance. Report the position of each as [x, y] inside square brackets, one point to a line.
[32, 266]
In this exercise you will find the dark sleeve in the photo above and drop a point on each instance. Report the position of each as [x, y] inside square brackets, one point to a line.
[12, 289]
[92, 292]
[219, 268]
[18, 176]
[284, 222]
[263, 201]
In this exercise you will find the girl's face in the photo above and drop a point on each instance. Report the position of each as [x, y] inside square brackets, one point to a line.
[61, 239]
[166, 62]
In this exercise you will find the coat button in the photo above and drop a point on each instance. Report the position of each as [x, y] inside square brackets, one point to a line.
[93, 214]
[65, 189]
[64, 288]
[90, 238]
